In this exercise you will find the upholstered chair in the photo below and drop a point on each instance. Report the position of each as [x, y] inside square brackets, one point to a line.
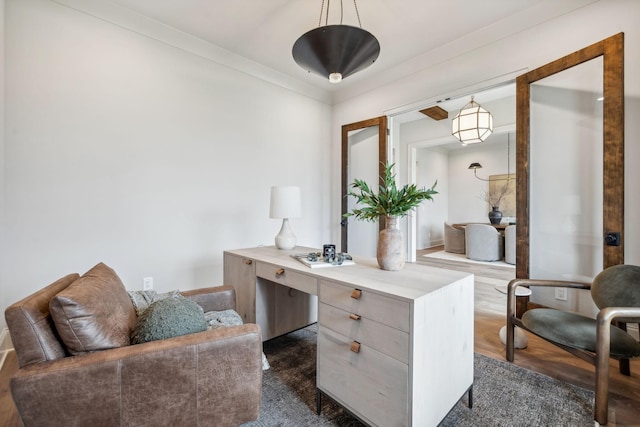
[616, 292]
[78, 366]
[453, 239]
[483, 242]
[510, 244]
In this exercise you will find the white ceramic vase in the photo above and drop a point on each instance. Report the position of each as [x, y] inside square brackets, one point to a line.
[391, 253]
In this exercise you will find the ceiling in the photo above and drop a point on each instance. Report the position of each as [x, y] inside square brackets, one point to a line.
[413, 34]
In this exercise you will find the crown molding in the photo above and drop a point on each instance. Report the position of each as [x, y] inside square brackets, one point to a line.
[129, 20]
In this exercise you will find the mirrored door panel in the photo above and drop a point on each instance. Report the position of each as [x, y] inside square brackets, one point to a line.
[570, 169]
[566, 180]
[364, 152]
[363, 155]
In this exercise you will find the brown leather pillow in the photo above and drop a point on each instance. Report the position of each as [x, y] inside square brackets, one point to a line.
[94, 312]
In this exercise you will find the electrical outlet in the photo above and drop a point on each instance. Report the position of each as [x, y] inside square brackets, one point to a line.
[147, 283]
[561, 294]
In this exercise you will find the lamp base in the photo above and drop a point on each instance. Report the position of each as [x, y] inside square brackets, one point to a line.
[285, 239]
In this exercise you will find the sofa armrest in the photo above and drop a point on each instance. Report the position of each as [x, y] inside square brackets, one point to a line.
[208, 378]
[213, 299]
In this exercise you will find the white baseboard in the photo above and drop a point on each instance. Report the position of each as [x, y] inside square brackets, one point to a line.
[433, 243]
[5, 345]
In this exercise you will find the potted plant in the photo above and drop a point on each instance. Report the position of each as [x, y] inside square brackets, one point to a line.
[391, 203]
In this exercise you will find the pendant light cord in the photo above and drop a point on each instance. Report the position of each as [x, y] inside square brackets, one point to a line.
[326, 19]
[321, 9]
[355, 5]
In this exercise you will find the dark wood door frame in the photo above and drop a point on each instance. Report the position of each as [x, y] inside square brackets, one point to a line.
[612, 51]
[381, 123]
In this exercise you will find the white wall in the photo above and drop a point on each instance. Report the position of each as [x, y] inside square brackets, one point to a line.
[124, 149]
[432, 166]
[2, 133]
[528, 49]
[468, 204]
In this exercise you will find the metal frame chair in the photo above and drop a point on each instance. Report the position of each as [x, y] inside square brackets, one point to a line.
[616, 292]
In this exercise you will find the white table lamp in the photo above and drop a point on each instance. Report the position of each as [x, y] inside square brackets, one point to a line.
[285, 204]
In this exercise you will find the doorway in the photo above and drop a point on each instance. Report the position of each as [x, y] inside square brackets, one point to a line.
[576, 103]
[431, 153]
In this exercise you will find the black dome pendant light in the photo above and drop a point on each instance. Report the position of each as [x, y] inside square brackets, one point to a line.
[336, 51]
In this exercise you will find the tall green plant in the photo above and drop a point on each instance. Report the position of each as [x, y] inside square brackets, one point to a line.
[390, 201]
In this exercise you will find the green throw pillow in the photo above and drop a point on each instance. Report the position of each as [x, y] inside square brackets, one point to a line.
[168, 318]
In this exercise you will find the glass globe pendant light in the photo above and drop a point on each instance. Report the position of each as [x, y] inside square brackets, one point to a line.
[472, 124]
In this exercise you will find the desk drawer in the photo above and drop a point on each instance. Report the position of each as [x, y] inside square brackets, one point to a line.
[382, 309]
[385, 339]
[290, 278]
[369, 383]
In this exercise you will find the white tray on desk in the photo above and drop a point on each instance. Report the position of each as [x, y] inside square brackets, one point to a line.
[320, 262]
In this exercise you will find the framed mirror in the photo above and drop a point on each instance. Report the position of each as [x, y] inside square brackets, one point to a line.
[575, 120]
[364, 153]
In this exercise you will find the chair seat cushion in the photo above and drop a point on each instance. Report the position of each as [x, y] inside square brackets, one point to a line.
[574, 330]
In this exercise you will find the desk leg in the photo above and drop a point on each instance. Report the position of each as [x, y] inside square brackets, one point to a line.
[318, 401]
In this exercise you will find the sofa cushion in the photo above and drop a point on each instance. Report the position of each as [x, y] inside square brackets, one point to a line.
[33, 333]
[143, 299]
[223, 318]
[94, 312]
[168, 318]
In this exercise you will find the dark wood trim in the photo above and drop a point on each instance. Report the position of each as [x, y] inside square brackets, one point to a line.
[522, 177]
[381, 123]
[612, 51]
[613, 150]
[436, 113]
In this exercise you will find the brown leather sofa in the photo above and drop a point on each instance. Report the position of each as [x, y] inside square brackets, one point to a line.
[211, 378]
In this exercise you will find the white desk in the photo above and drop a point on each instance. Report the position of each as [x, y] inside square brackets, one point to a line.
[394, 347]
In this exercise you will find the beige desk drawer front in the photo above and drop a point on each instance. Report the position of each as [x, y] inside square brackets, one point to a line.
[382, 309]
[369, 383]
[383, 338]
[289, 278]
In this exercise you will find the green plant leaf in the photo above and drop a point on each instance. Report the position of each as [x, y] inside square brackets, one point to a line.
[390, 201]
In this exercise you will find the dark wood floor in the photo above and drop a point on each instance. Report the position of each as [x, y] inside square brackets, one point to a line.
[490, 307]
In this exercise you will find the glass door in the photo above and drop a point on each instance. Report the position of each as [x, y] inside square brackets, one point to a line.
[570, 170]
[364, 152]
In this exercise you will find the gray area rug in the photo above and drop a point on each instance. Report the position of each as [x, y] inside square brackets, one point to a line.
[503, 394]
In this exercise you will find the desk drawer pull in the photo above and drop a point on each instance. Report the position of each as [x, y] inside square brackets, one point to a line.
[280, 272]
[355, 347]
[354, 316]
[248, 262]
[355, 294]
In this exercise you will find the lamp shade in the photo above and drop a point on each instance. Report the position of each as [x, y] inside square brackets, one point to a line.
[336, 51]
[472, 124]
[285, 202]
